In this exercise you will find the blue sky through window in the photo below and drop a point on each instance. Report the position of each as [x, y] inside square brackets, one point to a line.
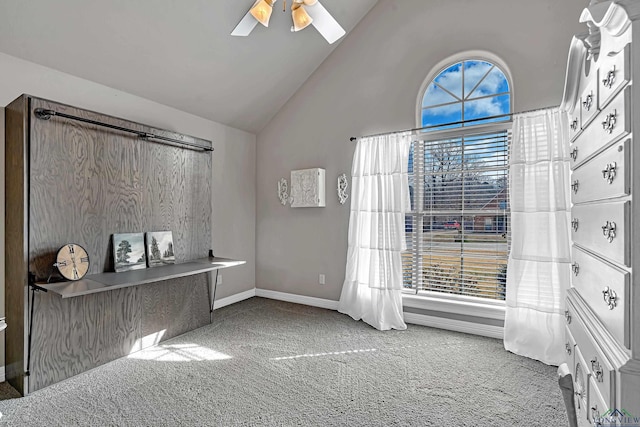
[486, 94]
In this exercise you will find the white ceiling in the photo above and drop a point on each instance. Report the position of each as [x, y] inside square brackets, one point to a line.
[177, 53]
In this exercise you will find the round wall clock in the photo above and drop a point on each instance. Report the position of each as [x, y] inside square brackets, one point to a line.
[72, 261]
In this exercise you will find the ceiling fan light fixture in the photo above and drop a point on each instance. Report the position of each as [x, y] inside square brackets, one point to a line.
[262, 11]
[301, 18]
[317, 15]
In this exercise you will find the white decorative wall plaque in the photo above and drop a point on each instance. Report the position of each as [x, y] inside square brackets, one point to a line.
[307, 188]
[283, 191]
[342, 188]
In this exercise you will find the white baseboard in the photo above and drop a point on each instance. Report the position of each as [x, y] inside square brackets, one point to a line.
[413, 318]
[298, 299]
[3, 378]
[234, 299]
[490, 331]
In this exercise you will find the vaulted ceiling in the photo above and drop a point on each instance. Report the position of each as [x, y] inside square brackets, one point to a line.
[177, 53]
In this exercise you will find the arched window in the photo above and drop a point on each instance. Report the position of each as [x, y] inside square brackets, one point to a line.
[464, 93]
[458, 227]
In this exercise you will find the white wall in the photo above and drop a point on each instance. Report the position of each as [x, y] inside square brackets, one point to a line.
[369, 84]
[233, 164]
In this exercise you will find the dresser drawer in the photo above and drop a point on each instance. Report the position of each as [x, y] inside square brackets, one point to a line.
[603, 177]
[569, 348]
[611, 124]
[596, 363]
[574, 124]
[603, 229]
[580, 385]
[606, 289]
[614, 73]
[598, 405]
[589, 102]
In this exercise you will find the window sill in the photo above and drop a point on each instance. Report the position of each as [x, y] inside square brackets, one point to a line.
[488, 309]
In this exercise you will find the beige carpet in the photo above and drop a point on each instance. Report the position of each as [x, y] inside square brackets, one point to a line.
[271, 363]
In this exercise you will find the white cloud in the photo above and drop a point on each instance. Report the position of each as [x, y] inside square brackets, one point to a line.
[490, 85]
[473, 72]
[451, 80]
[436, 96]
[484, 107]
[446, 110]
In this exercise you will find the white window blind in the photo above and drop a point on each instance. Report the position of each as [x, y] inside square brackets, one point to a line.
[458, 228]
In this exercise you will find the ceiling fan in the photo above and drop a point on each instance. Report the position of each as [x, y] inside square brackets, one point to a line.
[303, 13]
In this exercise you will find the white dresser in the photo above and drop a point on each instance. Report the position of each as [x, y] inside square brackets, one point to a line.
[602, 102]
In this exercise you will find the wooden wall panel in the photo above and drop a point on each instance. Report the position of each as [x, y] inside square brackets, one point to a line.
[174, 306]
[88, 183]
[73, 335]
[16, 175]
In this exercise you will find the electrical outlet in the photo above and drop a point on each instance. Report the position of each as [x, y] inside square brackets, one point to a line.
[321, 279]
[219, 282]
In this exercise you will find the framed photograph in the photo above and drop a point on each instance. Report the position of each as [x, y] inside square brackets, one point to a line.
[128, 252]
[160, 248]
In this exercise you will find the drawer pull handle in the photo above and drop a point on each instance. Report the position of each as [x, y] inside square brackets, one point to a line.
[609, 173]
[574, 125]
[597, 370]
[567, 347]
[574, 154]
[567, 316]
[595, 416]
[574, 224]
[610, 79]
[575, 186]
[610, 297]
[609, 231]
[588, 102]
[579, 395]
[575, 267]
[610, 122]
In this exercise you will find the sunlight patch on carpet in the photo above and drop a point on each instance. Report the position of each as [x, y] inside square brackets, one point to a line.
[179, 353]
[331, 353]
[337, 353]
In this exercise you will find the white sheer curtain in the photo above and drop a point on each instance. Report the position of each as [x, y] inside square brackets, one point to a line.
[372, 289]
[538, 272]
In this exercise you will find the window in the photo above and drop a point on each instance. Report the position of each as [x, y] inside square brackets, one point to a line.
[486, 94]
[458, 227]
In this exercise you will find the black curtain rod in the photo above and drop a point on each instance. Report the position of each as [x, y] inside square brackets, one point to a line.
[43, 114]
[354, 138]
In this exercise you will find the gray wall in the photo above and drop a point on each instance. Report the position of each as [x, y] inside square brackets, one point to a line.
[233, 165]
[370, 84]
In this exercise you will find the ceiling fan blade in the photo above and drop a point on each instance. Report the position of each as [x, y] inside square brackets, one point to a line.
[245, 26]
[325, 23]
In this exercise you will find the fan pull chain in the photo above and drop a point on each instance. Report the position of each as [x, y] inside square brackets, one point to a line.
[284, 6]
